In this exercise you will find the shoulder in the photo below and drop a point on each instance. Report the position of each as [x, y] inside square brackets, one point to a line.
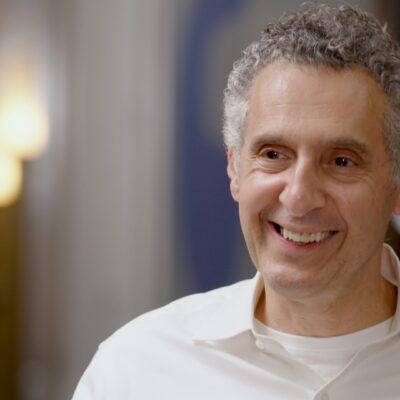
[172, 319]
[158, 342]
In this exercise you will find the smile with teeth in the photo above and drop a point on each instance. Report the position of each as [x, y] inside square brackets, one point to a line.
[303, 237]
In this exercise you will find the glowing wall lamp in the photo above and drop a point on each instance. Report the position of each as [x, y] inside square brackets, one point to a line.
[23, 115]
[24, 126]
[10, 178]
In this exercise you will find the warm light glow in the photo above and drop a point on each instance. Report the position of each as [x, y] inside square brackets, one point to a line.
[10, 178]
[23, 125]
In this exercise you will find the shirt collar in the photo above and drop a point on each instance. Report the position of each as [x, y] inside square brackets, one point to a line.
[229, 315]
[390, 269]
[233, 314]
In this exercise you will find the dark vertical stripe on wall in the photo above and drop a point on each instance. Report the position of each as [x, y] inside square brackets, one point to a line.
[207, 212]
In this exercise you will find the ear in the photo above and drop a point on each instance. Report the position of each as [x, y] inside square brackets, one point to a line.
[233, 173]
[396, 208]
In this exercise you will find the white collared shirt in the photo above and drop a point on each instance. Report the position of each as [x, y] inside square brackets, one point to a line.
[204, 347]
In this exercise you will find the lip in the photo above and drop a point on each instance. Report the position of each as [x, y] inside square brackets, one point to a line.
[302, 229]
[299, 247]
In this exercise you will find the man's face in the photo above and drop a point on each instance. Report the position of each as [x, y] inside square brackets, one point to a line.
[314, 179]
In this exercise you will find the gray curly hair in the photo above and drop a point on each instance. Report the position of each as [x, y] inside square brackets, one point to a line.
[320, 35]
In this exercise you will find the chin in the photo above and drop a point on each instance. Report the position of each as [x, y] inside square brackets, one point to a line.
[292, 286]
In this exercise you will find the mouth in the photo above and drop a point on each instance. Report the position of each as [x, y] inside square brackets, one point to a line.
[303, 238]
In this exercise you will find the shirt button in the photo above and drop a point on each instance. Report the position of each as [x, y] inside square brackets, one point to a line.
[324, 396]
[260, 344]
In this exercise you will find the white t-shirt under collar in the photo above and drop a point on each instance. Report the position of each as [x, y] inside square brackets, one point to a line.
[326, 356]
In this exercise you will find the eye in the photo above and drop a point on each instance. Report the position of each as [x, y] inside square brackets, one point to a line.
[343, 162]
[273, 158]
[271, 154]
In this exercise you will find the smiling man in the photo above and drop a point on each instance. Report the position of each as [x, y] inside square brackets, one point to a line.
[312, 128]
[313, 183]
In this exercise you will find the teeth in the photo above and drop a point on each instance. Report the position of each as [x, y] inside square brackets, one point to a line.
[304, 237]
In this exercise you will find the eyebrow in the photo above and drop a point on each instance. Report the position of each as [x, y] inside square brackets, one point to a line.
[349, 143]
[342, 143]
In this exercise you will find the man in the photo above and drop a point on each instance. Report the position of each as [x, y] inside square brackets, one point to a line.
[312, 133]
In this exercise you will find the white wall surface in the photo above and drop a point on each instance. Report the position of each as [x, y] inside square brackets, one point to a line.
[97, 204]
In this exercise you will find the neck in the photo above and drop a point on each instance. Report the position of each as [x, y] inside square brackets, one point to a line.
[328, 316]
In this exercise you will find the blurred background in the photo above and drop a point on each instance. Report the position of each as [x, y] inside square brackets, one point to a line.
[113, 191]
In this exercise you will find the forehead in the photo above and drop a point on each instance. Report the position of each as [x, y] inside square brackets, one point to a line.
[319, 100]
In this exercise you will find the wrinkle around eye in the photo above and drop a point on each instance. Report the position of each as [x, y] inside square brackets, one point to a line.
[271, 160]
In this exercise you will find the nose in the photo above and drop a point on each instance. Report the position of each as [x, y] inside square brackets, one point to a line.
[303, 191]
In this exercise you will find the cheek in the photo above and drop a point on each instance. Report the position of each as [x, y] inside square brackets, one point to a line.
[364, 210]
[258, 193]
